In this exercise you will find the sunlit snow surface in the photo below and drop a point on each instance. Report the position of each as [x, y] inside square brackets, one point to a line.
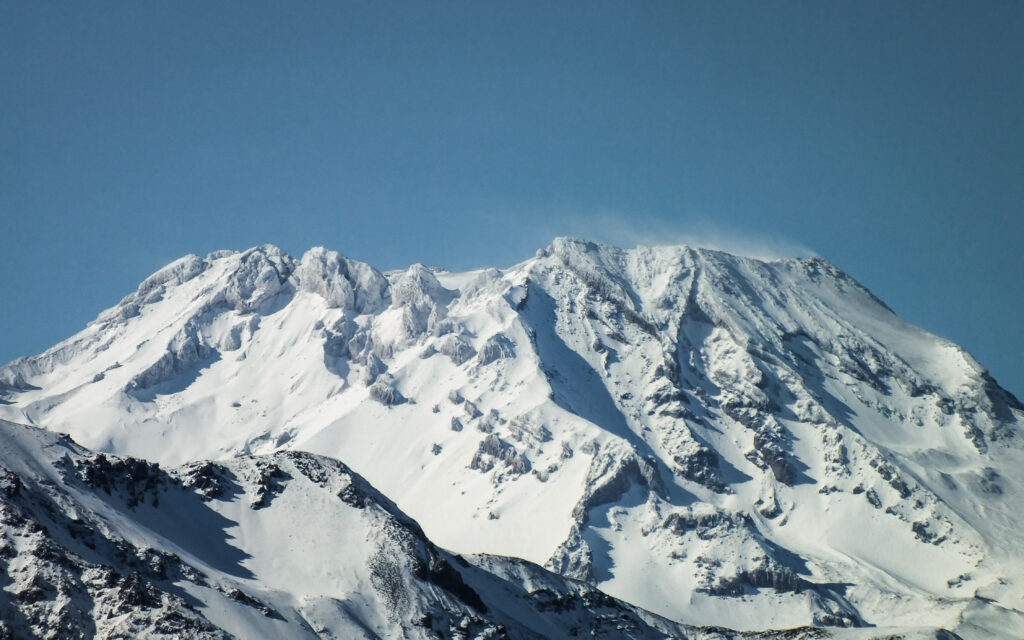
[717, 439]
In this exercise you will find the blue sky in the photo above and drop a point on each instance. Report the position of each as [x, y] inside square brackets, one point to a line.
[885, 136]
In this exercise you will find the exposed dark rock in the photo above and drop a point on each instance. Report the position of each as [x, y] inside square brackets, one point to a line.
[137, 479]
[493, 450]
[701, 466]
[269, 482]
[206, 478]
[240, 596]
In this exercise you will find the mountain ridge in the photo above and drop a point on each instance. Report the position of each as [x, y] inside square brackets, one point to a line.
[100, 546]
[679, 409]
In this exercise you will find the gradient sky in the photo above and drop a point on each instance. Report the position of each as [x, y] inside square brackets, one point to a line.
[886, 136]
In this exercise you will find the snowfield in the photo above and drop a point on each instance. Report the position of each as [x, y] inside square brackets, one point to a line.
[715, 439]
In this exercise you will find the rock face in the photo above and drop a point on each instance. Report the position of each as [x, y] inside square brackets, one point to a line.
[718, 439]
[86, 542]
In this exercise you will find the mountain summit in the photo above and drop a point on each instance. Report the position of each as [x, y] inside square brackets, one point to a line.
[717, 439]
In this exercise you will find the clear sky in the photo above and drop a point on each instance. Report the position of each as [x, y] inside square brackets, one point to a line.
[886, 136]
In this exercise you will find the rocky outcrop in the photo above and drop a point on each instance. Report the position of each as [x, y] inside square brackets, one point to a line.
[384, 392]
[455, 347]
[493, 450]
[187, 350]
[343, 283]
[76, 561]
[496, 347]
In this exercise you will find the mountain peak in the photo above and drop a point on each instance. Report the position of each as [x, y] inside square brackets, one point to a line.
[725, 423]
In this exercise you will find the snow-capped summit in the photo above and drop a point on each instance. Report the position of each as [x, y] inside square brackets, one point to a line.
[718, 439]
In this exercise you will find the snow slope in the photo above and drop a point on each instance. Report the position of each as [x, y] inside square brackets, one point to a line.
[718, 439]
[98, 546]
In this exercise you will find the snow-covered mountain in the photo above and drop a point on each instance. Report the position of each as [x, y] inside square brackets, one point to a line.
[110, 547]
[717, 439]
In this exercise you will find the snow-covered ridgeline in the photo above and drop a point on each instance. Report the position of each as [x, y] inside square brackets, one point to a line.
[716, 438]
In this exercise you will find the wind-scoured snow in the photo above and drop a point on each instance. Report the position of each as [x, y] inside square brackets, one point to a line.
[718, 439]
